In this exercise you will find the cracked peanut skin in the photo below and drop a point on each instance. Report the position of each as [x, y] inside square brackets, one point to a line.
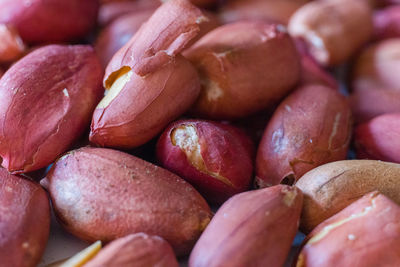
[24, 221]
[331, 187]
[244, 67]
[119, 32]
[168, 31]
[311, 127]
[366, 233]
[47, 21]
[139, 250]
[161, 84]
[104, 194]
[47, 99]
[145, 105]
[254, 228]
[217, 159]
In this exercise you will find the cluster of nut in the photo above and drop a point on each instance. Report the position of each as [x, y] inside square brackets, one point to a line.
[232, 105]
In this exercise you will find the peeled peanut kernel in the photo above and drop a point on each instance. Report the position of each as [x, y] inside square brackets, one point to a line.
[123, 77]
[217, 159]
[84, 256]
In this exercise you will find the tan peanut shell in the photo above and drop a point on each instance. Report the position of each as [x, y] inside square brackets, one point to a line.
[366, 233]
[331, 187]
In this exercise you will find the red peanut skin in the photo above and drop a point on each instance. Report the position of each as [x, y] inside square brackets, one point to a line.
[232, 61]
[254, 228]
[11, 46]
[110, 11]
[159, 98]
[24, 221]
[341, 28]
[168, 31]
[387, 23]
[311, 127]
[379, 138]
[375, 82]
[129, 195]
[377, 67]
[368, 236]
[163, 83]
[46, 104]
[139, 250]
[44, 21]
[369, 103]
[118, 33]
[254, 125]
[204, 3]
[311, 71]
[224, 149]
[266, 10]
[212, 22]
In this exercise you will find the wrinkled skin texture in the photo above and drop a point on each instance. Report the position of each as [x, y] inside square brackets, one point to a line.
[139, 250]
[43, 21]
[118, 33]
[311, 127]
[145, 106]
[24, 221]
[333, 29]
[232, 61]
[366, 233]
[375, 82]
[266, 10]
[11, 45]
[387, 23]
[161, 86]
[224, 163]
[254, 228]
[330, 188]
[176, 22]
[379, 138]
[211, 22]
[47, 99]
[129, 196]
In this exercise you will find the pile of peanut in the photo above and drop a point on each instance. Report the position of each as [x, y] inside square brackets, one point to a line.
[129, 119]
